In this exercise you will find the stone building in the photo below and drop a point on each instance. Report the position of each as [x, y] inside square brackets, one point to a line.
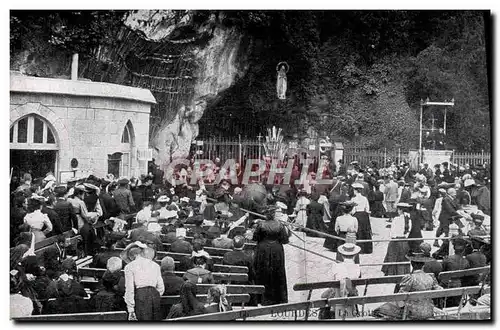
[72, 127]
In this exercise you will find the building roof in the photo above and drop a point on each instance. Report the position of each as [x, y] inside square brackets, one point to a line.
[28, 84]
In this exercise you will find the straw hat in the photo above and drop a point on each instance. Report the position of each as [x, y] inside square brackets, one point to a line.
[348, 249]
[185, 199]
[163, 199]
[469, 182]
[403, 205]
[357, 185]
[181, 232]
[125, 254]
[200, 254]
[90, 186]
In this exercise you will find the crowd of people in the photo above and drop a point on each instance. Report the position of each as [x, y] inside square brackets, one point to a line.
[139, 215]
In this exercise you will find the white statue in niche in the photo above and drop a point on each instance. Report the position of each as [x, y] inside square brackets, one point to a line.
[281, 82]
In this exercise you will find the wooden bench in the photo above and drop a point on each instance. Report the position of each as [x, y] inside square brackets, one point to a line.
[179, 256]
[73, 241]
[248, 245]
[106, 316]
[215, 251]
[445, 277]
[336, 284]
[237, 298]
[96, 273]
[293, 307]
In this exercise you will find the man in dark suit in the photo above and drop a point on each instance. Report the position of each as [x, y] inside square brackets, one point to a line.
[181, 245]
[171, 281]
[64, 210]
[449, 209]
[108, 203]
[447, 177]
[239, 258]
[476, 259]
[454, 262]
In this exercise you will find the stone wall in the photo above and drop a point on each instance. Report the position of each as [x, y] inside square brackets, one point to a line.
[88, 128]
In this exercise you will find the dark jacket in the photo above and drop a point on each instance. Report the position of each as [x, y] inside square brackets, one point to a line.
[108, 204]
[172, 284]
[54, 219]
[67, 216]
[240, 258]
[181, 246]
[107, 301]
[448, 210]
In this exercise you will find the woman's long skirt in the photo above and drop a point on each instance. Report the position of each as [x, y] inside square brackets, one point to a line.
[333, 243]
[364, 232]
[147, 304]
[396, 252]
[269, 266]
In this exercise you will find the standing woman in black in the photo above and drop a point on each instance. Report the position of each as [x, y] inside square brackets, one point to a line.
[269, 262]
[362, 212]
[416, 229]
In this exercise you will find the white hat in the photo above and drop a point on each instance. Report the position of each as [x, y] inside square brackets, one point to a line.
[154, 227]
[50, 177]
[357, 185]
[348, 249]
[185, 199]
[281, 205]
[200, 254]
[469, 182]
[163, 199]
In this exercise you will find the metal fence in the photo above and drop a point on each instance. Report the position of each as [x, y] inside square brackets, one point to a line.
[384, 157]
[471, 158]
[225, 148]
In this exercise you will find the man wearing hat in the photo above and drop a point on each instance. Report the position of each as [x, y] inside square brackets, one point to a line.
[478, 229]
[418, 280]
[181, 245]
[391, 196]
[432, 266]
[64, 210]
[454, 262]
[143, 283]
[123, 197]
[476, 259]
[449, 209]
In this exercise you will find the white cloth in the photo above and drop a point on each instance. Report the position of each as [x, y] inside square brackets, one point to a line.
[326, 207]
[143, 215]
[20, 306]
[346, 223]
[437, 209]
[300, 209]
[362, 204]
[36, 220]
[398, 226]
[141, 273]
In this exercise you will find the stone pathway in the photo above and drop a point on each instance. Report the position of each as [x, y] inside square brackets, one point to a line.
[303, 267]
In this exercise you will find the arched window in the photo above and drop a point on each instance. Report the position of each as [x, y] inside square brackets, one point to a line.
[126, 135]
[32, 132]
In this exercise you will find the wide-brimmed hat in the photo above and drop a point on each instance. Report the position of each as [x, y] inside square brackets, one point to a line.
[38, 198]
[125, 254]
[469, 182]
[445, 185]
[90, 186]
[163, 199]
[200, 254]
[348, 249]
[50, 177]
[418, 257]
[185, 199]
[404, 205]
[459, 241]
[354, 162]
[281, 205]
[480, 239]
[357, 185]
[477, 217]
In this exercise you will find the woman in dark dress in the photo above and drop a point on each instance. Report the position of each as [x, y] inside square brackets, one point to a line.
[269, 262]
[362, 212]
[315, 212]
[338, 195]
[416, 227]
[376, 199]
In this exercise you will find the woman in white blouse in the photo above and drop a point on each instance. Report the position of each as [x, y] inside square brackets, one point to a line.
[397, 250]
[36, 220]
[300, 209]
[362, 212]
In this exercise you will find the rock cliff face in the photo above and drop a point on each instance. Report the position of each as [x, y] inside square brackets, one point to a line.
[218, 60]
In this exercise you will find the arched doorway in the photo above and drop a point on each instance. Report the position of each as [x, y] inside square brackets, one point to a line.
[33, 147]
[120, 162]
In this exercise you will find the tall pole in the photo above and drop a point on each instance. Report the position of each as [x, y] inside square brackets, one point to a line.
[420, 141]
[445, 121]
